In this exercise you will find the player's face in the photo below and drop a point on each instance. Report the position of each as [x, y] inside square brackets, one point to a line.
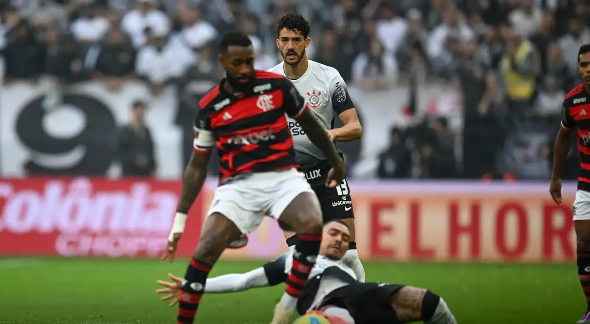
[238, 63]
[292, 45]
[335, 240]
[584, 68]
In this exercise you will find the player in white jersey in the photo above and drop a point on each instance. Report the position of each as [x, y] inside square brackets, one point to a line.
[333, 288]
[326, 93]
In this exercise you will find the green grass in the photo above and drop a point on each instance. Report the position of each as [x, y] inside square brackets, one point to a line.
[123, 291]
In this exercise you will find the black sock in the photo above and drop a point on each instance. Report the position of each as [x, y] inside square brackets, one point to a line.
[584, 274]
[306, 251]
[192, 291]
[352, 246]
[292, 240]
[429, 305]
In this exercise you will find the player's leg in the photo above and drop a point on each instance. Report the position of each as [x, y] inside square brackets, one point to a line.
[582, 227]
[216, 235]
[412, 304]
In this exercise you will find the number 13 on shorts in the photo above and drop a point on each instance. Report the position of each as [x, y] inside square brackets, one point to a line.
[342, 189]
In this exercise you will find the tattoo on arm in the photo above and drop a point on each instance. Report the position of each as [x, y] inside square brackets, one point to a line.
[407, 304]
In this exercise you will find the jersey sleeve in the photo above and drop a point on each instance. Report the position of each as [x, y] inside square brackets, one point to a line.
[277, 270]
[567, 121]
[341, 100]
[204, 138]
[293, 103]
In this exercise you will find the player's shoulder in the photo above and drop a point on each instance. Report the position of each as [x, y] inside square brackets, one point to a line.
[211, 98]
[277, 69]
[575, 96]
[325, 71]
[266, 80]
[261, 74]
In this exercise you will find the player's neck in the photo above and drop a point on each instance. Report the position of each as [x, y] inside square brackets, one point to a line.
[587, 88]
[294, 72]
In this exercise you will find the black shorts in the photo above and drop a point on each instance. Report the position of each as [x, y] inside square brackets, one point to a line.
[336, 202]
[368, 303]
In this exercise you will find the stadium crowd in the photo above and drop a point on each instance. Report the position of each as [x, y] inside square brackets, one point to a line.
[512, 62]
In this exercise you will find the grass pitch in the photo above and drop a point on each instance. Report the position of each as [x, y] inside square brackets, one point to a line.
[123, 291]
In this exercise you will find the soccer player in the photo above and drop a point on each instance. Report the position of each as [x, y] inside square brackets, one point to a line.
[244, 116]
[333, 288]
[325, 92]
[576, 114]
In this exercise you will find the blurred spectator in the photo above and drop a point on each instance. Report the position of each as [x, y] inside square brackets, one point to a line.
[10, 19]
[544, 37]
[578, 35]
[91, 26]
[395, 161]
[162, 61]
[195, 32]
[42, 13]
[452, 26]
[335, 51]
[23, 55]
[116, 60]
[262, 61]
[145, 16]
[520, 67]
[526, 20]
[390, 28]
[557, 67]
[550, 98]
[415, 37]
[374, 69]
[136, 147]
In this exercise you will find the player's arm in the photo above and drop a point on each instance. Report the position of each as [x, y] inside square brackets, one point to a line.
[351, 126]
[562, 148]
[271, 274]
[295, 107]
[193, 179]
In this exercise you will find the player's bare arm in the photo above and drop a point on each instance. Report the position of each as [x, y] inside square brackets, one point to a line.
[562, 147]
[193, 179]
[351, 127]
[318, 136]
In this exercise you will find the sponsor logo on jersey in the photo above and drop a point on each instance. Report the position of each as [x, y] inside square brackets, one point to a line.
[313, 99]
[341, 202]
[579, 100]
[262, 87]
[222, 104]
[313, 174]
[252, 138]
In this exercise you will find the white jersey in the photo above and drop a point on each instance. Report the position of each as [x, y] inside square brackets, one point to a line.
[325, 92]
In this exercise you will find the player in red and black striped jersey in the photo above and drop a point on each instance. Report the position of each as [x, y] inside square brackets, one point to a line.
[244, 116]
[576, 116]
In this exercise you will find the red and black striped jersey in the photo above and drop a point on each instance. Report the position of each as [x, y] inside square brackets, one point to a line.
[576, 114]
[250, 129]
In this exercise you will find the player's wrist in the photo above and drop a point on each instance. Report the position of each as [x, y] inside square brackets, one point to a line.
[178, 225]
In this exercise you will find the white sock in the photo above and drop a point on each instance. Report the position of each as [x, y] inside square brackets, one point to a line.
[340, 312]
[351, 259]
[442, 314]
[292, 248]
[288, 301]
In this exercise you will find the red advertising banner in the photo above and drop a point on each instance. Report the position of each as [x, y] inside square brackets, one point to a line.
[401, 221]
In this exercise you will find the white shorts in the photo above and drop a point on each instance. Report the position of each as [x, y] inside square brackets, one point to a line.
[582, 205]
[247, 201]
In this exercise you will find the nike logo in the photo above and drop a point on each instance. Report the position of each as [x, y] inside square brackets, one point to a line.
[347, 208]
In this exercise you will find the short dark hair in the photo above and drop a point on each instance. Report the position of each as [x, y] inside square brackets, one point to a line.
[138, 104]
[339, 221]
[234, 39]
[295, 22]
[583, 50]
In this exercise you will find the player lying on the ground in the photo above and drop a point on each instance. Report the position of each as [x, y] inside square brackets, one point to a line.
[333, 288]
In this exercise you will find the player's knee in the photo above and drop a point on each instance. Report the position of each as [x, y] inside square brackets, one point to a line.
[311, 224]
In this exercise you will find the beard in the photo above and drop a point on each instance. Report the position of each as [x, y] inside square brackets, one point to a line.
[299, 57]
[237, 85]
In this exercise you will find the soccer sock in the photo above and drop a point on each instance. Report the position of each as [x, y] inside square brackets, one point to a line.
[292, 242]
[436, 311]
[584, 274]
[351, 259]
[192, 290]
[304, 258]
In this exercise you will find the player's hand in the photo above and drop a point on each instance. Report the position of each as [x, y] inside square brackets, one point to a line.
[555, 190]
[335, 176]
[171, 247]
[173, 289]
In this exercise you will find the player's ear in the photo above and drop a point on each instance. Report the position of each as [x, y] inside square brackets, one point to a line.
[220, 59]
[307, 42]
[277, 41]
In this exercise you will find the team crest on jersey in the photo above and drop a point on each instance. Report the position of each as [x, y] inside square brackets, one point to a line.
[265, 102]
[314, 100]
